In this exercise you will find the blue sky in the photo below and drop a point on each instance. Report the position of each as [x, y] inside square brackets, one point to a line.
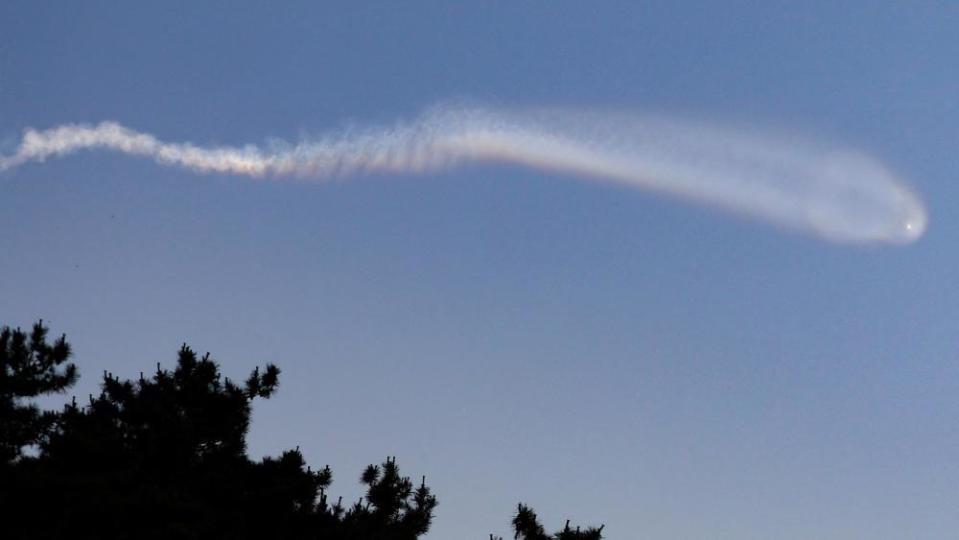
[603, 354]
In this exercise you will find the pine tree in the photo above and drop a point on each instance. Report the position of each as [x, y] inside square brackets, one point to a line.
[29, 367]
[526, 526]
[165, 457]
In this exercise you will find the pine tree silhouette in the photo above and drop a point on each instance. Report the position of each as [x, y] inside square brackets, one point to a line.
[164, 458]
[29, 367]
[526, 526]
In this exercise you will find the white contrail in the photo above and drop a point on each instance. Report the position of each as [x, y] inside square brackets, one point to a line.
[839, 195]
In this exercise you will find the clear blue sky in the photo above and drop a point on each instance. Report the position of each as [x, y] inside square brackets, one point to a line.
[603, 354]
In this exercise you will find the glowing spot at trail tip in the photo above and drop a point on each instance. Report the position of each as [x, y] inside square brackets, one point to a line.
[841, 196]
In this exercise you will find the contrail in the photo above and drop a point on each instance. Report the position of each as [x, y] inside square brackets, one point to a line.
[839, 195]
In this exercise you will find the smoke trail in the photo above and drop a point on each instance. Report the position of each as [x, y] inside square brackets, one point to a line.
[841, 196]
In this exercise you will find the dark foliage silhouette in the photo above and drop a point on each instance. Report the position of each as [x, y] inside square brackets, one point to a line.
[526, 526]
[164, 458]
[29, 367]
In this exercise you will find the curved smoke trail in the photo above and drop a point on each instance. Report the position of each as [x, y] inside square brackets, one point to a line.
[840, 195]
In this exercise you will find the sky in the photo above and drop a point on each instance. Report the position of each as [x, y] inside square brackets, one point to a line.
[603, 354]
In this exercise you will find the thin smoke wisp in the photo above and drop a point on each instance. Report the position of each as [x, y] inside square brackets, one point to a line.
[839, 195]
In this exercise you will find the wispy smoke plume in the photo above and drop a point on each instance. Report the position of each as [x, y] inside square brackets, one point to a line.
[842, 196]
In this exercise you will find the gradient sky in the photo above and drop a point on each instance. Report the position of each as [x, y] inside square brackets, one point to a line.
[603, 354]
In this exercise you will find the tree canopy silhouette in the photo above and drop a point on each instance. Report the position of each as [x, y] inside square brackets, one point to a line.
[526, 526]
[164, 457]
[29, 367]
